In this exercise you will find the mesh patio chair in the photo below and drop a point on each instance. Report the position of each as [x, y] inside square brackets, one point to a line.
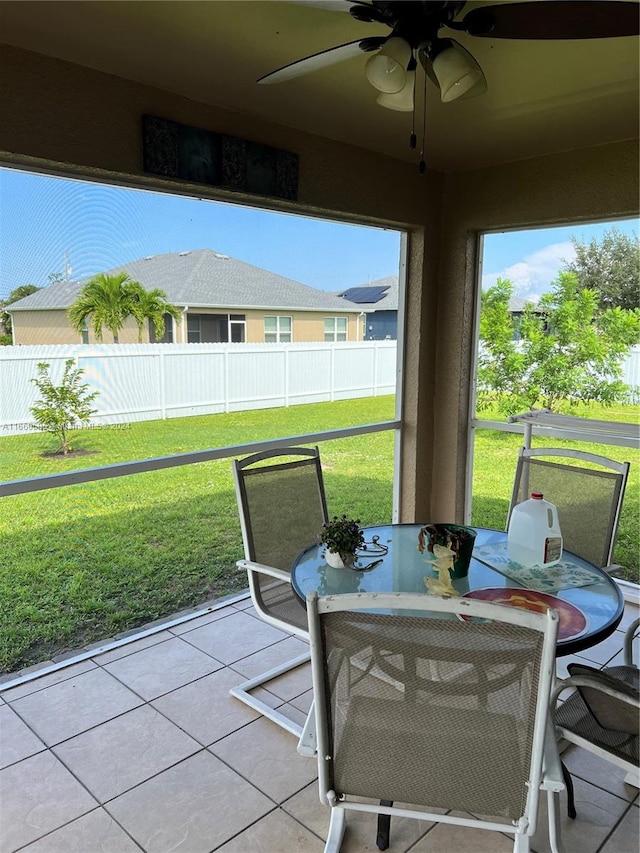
[588, 499]
[469, 747]
[603, 713]
[282, 508]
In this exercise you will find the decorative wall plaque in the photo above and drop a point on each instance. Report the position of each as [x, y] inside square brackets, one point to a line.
[175, 150]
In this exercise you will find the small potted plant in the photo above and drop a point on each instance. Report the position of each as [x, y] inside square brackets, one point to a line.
[342, 537]
[456, 539]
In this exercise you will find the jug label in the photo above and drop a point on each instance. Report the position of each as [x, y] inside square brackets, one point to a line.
[552, 548]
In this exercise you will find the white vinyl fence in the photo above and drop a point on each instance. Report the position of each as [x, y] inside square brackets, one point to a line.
[631, 371]
[139, 382]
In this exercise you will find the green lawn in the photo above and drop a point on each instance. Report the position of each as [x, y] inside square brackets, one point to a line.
[82, 563]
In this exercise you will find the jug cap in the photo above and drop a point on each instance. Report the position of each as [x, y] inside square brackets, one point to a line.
[537, 496]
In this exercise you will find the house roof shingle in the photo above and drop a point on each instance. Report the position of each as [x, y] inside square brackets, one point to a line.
[201, 278]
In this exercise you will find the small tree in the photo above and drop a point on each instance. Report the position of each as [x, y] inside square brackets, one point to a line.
[611, 267]
[63, 406]
[569, 350]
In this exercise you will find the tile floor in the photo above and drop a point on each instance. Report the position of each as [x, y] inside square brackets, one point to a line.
[141, 748]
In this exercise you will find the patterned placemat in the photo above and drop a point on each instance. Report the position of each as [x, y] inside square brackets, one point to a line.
[564, 575]
[571, 620]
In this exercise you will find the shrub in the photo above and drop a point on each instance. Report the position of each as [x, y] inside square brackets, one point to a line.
[62, 407]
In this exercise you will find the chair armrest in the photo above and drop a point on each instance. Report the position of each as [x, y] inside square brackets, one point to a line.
[603, 684]
[250, 566]
[613, 569]
[628, 642]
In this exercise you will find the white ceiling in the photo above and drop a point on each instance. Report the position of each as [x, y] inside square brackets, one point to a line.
[543, 96]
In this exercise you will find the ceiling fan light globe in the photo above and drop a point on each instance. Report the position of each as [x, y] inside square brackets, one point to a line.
[386, 70]
[455, 74]
[401, 101]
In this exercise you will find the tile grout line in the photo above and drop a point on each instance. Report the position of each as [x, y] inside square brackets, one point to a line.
[609, 836]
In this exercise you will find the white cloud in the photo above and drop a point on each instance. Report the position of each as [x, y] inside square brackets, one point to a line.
[532, 277]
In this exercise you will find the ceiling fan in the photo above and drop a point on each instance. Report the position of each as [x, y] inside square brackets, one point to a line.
[415, 37]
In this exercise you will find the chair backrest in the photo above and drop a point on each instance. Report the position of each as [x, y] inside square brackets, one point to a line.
[282, 508]
[282, 504]
[610, 711]
[588, 498]
[462, 727]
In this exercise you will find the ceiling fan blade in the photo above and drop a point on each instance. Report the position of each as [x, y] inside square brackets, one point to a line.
[321, 60]
[553, 19]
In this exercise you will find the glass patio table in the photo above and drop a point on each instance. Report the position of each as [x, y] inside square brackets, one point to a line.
[595, 607]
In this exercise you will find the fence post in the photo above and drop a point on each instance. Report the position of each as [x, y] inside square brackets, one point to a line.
[375, 368]
[226, 379]
[163, 386]
[286, 375]
[332, 390]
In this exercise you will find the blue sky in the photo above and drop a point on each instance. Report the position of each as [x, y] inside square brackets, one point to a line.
[532, 259]
[100, 227]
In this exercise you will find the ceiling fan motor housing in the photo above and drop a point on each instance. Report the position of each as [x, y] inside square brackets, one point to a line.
[415, 22]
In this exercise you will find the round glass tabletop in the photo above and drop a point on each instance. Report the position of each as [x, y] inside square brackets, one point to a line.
[403, 568]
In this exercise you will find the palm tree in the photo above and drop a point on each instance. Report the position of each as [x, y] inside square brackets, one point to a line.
[152, 305]
[109, 300]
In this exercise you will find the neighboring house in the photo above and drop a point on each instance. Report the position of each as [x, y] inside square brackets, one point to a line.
[379, 302]
[516, 309]
[221, 299]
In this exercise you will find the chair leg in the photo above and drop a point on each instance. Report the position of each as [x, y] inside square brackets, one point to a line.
[384, 826]
[242, 692]
[337, 827]
[553, 809]
[568, 782]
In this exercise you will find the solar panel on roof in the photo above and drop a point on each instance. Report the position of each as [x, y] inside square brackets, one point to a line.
[364, 294]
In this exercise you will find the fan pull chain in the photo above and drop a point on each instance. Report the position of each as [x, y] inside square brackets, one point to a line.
[413, 139]
[422, 166]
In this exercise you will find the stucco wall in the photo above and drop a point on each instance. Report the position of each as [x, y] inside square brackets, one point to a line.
[306, 326]
[52, 327]
[42, 327]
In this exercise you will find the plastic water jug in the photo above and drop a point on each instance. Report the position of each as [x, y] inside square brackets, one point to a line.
[534, 537]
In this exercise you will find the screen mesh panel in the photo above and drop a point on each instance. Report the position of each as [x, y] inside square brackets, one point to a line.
[586, 501]
[451, 728]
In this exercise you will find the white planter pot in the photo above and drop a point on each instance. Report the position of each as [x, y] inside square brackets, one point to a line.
[333, 559]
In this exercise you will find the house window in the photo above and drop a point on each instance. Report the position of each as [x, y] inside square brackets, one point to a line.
[167, 332]
[237, 328]
[335, 328]
[193, 328]
[216, 328]
[85, 334]
[277, 330]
